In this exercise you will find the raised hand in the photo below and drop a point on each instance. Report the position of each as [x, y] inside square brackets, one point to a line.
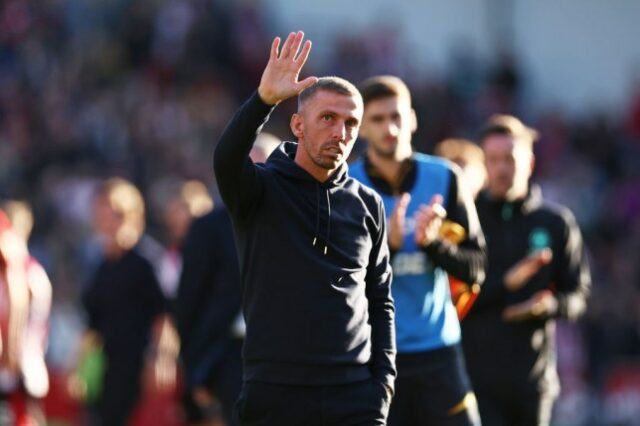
[429, 220]
[280, 77]
[396, 222]
[518, 275]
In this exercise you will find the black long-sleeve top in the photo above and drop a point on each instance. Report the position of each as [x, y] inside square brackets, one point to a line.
[314, 264]
[122, 302]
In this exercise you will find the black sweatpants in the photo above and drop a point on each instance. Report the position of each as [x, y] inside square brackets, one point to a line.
[363, 403]
[433, 389]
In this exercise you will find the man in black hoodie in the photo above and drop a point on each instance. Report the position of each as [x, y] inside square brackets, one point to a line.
[537, 272]
[319, 346]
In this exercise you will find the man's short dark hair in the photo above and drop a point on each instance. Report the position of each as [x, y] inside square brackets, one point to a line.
[508, 125]
[384, 86]
[329, 84]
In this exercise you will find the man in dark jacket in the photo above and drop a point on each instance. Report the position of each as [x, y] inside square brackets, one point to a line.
[207, 305]
[314, 261]
[537, 272]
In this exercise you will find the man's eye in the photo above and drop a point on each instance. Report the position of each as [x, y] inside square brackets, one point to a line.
[327, 117]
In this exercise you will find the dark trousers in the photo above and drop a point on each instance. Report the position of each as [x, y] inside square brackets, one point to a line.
[362, 403]
[433, 389]
[120, 392]
[522, 406]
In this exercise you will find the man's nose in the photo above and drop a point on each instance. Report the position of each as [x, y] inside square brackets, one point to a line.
[393, 129]
[339, 132]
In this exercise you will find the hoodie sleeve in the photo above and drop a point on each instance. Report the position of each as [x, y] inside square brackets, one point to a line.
[237, 176]
[572, 276]
[381, 308]
[468, 260]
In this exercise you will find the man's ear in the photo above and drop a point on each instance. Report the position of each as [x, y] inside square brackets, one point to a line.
[414, 121]
[297, 126]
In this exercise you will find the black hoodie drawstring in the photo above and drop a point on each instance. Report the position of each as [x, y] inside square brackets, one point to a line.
[328, 222]
[315, 237]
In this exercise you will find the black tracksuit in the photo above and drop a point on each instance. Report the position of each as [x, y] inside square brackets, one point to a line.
[314, 265]
[512, 364]
[206, 306]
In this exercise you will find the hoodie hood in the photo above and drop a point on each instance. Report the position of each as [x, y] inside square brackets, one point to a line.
[282, 160]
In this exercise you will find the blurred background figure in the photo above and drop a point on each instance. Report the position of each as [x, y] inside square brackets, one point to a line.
[177, 203]
[207, 312]
[469, 157]
[25, 302]
[421, 195]
[538, 272]
[126, 313]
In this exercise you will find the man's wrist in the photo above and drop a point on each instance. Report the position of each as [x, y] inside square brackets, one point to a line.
[266, 98]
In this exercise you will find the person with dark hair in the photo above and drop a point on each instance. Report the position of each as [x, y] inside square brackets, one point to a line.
[314, 261]
[420, 192]
[537, 272]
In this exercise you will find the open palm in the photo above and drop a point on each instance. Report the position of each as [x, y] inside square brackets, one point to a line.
[280, 77]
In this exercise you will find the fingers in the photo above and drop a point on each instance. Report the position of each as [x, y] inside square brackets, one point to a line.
[541, 303]
[520, 311]
[309, 81]
[304, 54]
[517, 312]
[295, 45]
[396, 223]
[279, 79]
[291, 45]
[286, 47]
[274, 49]
[520, 273]
[432, 211]
[436, 199]
[544, 256]
[402, 204]
[436, 206]
[428, 222]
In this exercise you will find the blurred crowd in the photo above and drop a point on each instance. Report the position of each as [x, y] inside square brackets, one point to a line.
[141, 89]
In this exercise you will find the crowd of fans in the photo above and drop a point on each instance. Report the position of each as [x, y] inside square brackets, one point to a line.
[142, 89]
